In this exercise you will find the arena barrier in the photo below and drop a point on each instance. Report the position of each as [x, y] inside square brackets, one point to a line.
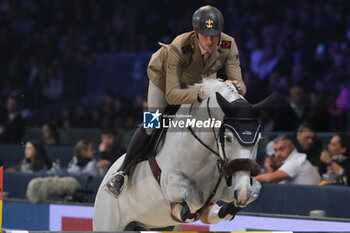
[22, 215]
[274, 198]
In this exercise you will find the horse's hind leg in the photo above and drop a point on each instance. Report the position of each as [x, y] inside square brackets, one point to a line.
[181, 189]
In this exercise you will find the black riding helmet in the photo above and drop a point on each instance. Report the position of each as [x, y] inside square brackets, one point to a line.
[208, 21]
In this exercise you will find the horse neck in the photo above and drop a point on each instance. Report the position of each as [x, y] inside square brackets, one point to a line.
[183, 144]
[181, 151]
[203, 111]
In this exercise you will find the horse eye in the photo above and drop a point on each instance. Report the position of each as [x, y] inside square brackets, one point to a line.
[228, 139]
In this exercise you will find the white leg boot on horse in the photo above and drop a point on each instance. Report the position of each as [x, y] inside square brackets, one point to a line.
[136, 148]
[216, 213]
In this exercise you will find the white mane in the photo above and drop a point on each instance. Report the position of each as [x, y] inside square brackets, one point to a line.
[229, 91]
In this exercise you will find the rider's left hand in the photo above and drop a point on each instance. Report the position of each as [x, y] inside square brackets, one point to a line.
[236, 83]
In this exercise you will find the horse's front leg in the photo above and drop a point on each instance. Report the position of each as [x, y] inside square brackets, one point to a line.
[227, 211]
[216, 213]
[186, 197]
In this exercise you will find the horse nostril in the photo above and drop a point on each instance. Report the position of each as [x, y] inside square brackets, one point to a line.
[235, 194]
[251, 181]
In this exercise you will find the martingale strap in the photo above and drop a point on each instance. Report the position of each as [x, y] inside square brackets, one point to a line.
[156, 171]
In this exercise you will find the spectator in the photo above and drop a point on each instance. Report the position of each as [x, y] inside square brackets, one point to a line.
[306, 141]
[50, 134]
[272, 163]
[83, 161]
[13, 127]
[339, 109]
[293, 167]
[3, 111]
[64, 121]
[35, 159]
[81, 118]
[96, 118]
[288, 39]
[293, 112]
[109, 148]
[337, 159]
[318, 113]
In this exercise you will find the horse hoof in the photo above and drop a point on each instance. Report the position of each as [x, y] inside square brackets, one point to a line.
[176, 211]
[205, 214]
[181, 213]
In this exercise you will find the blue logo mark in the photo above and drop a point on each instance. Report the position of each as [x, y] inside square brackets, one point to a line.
[151, 120]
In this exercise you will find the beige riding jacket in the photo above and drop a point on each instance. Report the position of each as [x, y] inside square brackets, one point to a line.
[176, 66]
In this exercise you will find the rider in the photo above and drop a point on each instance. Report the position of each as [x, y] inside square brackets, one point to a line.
[190, 57]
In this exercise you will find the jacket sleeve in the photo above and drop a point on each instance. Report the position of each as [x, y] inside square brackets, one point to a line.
[233, 69]
[174, 93]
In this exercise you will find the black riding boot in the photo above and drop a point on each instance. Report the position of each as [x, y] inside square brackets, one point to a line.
[136, 148]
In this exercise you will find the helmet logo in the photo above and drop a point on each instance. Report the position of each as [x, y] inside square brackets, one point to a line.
[209, 23]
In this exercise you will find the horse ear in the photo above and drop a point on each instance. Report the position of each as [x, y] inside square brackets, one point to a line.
[226, 106]
[267, 102]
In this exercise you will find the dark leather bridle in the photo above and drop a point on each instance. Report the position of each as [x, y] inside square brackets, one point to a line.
[226, 168]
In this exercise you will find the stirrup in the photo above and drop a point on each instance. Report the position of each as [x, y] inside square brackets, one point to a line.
[112, 184]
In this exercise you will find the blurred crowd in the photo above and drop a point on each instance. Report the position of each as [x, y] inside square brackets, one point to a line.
[299, 49]
[302, 158]
[84, 161]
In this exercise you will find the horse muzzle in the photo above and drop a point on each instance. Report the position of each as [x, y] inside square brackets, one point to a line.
[246, 189]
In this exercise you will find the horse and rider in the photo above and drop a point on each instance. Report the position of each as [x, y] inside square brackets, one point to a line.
[174, 72]
[189, 58]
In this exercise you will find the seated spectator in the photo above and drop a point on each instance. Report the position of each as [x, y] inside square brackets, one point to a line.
[81, 118]
[35, 159]
[109, 148]
[272, 163]
[307, 142]
[64, 121]
[292, 112]
[50, 134]
[84, 162]
[293, 167]
[3, 111]
[337, 160]
[13, 127]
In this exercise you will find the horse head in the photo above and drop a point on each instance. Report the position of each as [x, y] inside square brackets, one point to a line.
[238, 139]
